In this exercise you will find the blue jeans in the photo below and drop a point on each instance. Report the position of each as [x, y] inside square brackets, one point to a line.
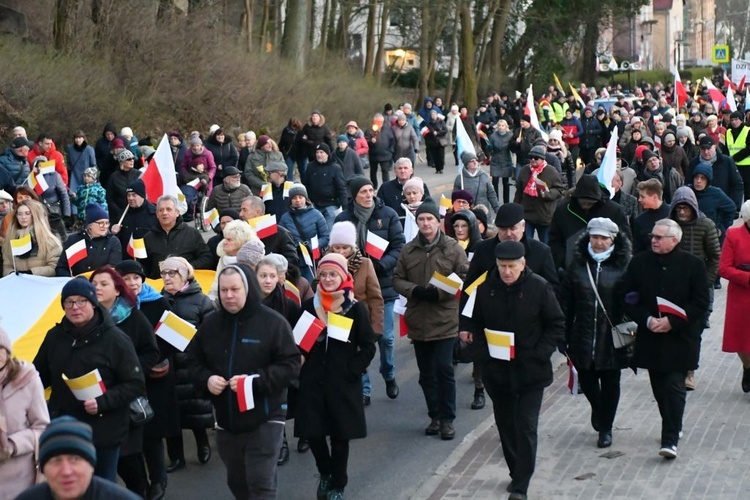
[301, 166]
[541, 231]
[328, 215]
[436, 377]
[106, 463]
[386, 343]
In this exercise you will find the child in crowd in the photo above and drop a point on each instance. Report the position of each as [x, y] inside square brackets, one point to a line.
[89, 192]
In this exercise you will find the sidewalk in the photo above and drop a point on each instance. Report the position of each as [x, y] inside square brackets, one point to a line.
[712, 457]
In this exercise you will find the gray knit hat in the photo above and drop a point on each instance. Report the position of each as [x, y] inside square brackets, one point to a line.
[251, 252]
[67, 436]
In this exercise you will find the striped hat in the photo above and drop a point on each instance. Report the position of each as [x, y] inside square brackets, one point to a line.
[67, 436]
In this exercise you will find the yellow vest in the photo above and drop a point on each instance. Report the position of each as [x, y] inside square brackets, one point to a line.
[738, 144]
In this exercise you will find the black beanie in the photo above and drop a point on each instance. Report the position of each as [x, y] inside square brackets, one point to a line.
[356, 183]
[79, 286]
[137, 187]
[67, 436]
[128, 266]
[323, 147]
[428, 207]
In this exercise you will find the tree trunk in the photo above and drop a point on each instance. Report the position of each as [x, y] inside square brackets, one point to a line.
[61, 27]
[495, 75]
[263, 39]
[370, 42]
[311, 19]
[424, 50]
[385, 14]
[454, 54]
[467, 56]
[293, 46]
[247, 24]
[324, 27]
[590, 39]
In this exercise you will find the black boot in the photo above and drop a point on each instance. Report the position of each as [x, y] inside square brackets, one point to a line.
[478, 402]
[284, 452]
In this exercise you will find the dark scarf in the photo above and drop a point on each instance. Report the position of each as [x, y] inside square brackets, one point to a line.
[426, 244]
[362, 215]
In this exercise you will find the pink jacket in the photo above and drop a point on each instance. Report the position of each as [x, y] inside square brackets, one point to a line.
[25, 410]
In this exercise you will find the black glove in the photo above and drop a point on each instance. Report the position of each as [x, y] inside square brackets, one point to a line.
[418, 293]
[431, 295]
[562, 347]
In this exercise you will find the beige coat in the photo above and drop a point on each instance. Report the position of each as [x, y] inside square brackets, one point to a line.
[367, 290]
[42, 264]
[25, 411]
[430, 321]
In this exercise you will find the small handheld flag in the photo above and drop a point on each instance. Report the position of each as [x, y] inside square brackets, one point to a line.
[194, 183]
[266, 192]
[667, 307]
[339, 327]
[471, 290]
[573, 379]
[212, 218]
[47, 167]
[307, 330]
[287, 186]
[264, 226]
[501, 344]
[450, 284]
[76, 252]
[87, 386]
[175, 330]
[305, 254]
[137, 248]
[38, 183]
[315, 247]
[445, 205]
[21, 246]
[375, 246]
[245, 398]
[292, 292]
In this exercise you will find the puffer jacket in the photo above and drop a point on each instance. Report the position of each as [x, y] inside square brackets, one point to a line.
[480, 187]
[222, 198]
[16, 166]
[589, 335]
[312, 223]
[501, 161]
[195, 408]
[256, 340]
[385, 223]
[225, 154]
[429, 321]
[325, 184]
[699, 235]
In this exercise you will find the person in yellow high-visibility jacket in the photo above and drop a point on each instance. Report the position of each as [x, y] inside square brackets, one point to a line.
[739, 148]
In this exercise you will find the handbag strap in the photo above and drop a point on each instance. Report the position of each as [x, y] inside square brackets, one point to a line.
[598, 298]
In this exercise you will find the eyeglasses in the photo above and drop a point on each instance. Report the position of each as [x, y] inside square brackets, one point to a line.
[79, 303]
[169, 273]
[683, 208]
[659, 237]
[101, 223]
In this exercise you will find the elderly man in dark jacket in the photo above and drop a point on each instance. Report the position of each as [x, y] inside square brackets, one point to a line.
[515, 326]
[392, 192]
[325, 184]
[281, 242]
[173, 237]
[246, 349]
[371, 217]
[230, 193]
[666, 293]
[587, 202]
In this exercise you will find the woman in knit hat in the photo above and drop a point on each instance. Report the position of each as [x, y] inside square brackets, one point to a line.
[100, 247]
[23, 417]
[460, 200]
[187, 300]
[30, 218]
[305, 223]
[330, 387]
[366, 286]
[413, 194]
[116, 297]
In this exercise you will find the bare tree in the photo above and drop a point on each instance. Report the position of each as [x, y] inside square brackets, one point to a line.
[293, 46]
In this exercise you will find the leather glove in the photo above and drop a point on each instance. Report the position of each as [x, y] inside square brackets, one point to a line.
[431, 295]
[418, 293]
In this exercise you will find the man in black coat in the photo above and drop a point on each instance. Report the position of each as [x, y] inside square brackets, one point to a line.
[650, 194]
[392, 192]
[666, 293]
[513, 300]
[282, 242]
[141, 216]
[573, 213]
[325, 184]
[172, 237]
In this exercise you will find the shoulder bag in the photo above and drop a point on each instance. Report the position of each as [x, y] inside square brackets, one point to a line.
[141, 411]
[623, 334]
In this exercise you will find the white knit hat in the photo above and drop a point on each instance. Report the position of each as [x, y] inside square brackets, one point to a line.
[126, 132]
[343, 233]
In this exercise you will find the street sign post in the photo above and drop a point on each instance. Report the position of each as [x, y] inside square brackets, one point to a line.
[720, 54]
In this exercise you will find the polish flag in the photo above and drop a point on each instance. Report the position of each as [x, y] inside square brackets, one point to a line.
[307, 330]
[680, 95]
[264, 226]
[399, 307]
[728, 83]
[137, 248]
[572, 378]
[76, 252]
[292, 292]
[375, 246]
[424, 130]
[194, 183]
[667, 307]
[160, 176]
[731, 102]
[339, 327]
[315, 247]
[716, 96]
[37, 183]
[245, 398]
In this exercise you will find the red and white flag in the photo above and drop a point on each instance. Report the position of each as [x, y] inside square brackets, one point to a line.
[160, 177]
[315, 247]
[667, 307]
[680, 94]
[37, 183]
[716, 95]
[375, 246]
[400, 309]
[245, 398]
[76, 252]
[572, 379]
[728, 83]
[424, 130]
[137, 248]
[264, 226]
[307, 330]
[194, 183]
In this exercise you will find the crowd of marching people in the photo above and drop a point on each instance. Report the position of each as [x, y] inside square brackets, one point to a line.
[621, 224]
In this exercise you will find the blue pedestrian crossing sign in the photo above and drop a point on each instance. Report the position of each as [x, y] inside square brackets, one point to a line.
[720, 54]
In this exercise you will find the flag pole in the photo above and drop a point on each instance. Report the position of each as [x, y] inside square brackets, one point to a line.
[124, 213]
[14, 265]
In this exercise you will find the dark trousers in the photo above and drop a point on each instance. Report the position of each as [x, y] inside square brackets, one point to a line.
[385, 167]
[132, 470]
[436, 377]
[669, 392]
[438, 156]
[153, 452]
[332, 462]
[587, 155]
[506, 187]
[602, 389]
[517, 418]
[106, 463]
[745, 174]
[175, 448]
[250, 459]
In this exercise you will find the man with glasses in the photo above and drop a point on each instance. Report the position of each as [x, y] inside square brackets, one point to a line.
[102, 248]
[666, 293]
[230, 193]
[84, 341]
[538, 188]
[172, 237]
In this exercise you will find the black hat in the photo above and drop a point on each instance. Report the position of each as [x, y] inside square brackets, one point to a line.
[481, 215]
[737, 115]
[137, 187]
[358, 182]
[130, 267]
[428, 207]
[229, 212]
[79, 286]
[231, 171]
[509, 250]
[508, 215]
[323, 147]
[647, 155]
[526, 118]
[20, 142]
[705, 142]
[67, 436]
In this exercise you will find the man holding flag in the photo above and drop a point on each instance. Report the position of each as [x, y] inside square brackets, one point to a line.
[666, 293]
